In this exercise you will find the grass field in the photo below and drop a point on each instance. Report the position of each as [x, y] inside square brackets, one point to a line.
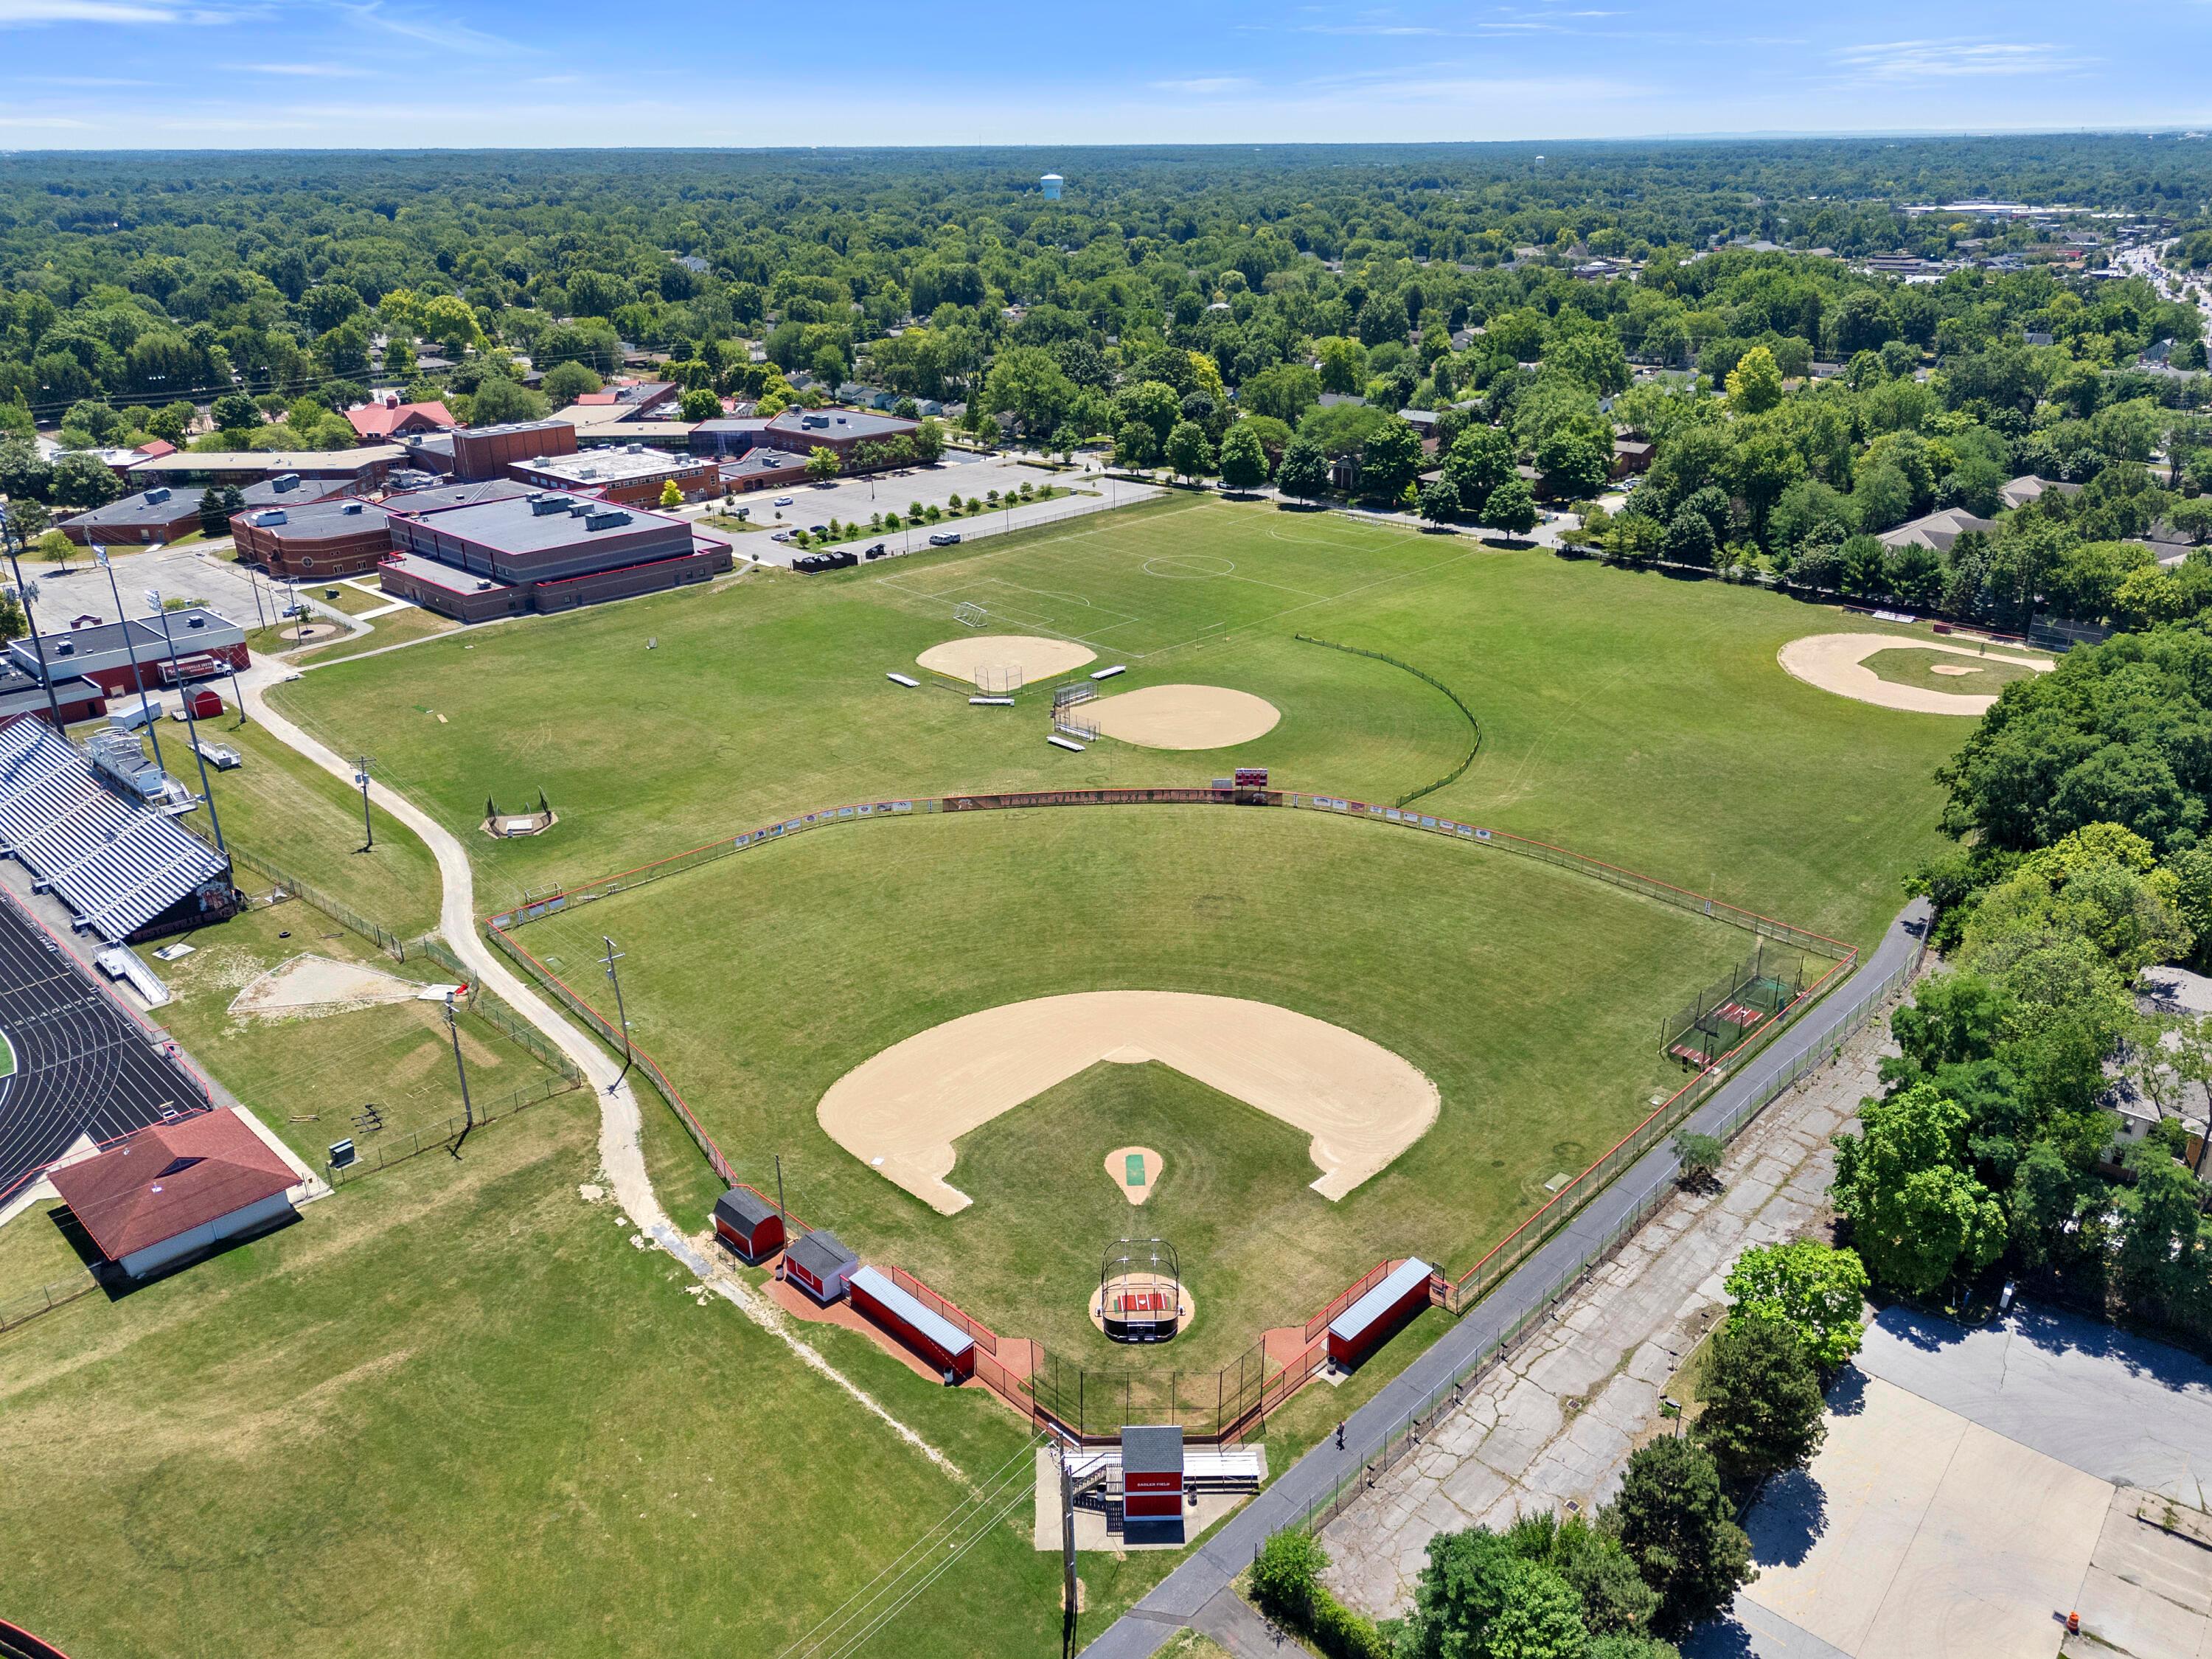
[1531, 997]
[1916, 666]
[324, 1069]
[1631, 716]
[452, 1410]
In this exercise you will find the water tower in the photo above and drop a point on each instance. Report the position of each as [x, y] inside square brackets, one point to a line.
[1050, 184]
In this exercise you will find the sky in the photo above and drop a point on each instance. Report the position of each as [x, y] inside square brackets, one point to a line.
[317, 74]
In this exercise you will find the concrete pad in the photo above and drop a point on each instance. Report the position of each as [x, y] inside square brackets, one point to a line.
[1917, 1532]
[2148, 1592]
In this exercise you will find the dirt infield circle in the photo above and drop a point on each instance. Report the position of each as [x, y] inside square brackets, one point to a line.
[1837, 663]
[901, 1111]
[1038, 658]
[1184, 717]
[1131, 1287]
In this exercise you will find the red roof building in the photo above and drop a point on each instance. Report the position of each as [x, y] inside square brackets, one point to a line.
[385, 418]
[174, 1189]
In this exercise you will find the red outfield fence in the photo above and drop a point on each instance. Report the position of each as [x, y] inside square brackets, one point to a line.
[1215, 1406]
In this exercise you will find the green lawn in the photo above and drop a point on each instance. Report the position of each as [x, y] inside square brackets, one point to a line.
[339, 596]
[281, 805]
[452, 1410]
[398, 628]
[34, 1253]
[1631, 716]
[307, 1077]
[1531, 997]
[1918, 666]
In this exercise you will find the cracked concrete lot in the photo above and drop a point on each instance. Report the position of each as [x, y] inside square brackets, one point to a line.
[1554, 1424]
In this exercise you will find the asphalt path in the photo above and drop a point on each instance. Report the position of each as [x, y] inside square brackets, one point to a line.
[1178, 1599]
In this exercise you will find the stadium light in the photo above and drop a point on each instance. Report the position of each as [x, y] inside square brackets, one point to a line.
[11, 537]
[145, 703]
[191, 720]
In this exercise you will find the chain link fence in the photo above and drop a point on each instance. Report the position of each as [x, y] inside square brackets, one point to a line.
[1458, 702]
[287, 885]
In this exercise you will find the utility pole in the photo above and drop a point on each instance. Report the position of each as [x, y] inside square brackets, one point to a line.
[368, 824]
[782, 1219]
[614, 979]
[461, 1067]
[145, 707]
[1067, 1551]
[12, 538]
[191, 720]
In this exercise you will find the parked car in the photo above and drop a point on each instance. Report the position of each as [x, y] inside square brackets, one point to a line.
[780, 536]
[783, 500]
[946, 538]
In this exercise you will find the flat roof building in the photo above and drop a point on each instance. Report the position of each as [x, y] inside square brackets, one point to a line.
[843, 430]
[541, 550]
[118, 657]
[490, 451]
[364, 467]
[161, 513]
[763, 469]
[632, 476]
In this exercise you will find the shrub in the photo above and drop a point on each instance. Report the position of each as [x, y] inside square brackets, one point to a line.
[1699, 1157]
[1286, 1574]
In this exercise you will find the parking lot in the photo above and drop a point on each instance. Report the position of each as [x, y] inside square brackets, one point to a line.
[1976, 1488]
[963, 474]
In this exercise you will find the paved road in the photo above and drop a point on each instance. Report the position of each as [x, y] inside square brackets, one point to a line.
[1179, 1599]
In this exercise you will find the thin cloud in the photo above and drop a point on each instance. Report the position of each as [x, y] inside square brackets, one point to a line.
[34, 13]
[431, 30]
[1207, 86]
[1944, 59]
[42, 121]
[311, 70]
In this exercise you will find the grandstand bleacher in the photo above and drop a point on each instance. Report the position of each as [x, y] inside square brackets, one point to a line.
[124, 871]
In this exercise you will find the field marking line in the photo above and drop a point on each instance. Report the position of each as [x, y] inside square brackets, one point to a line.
[621, 1152]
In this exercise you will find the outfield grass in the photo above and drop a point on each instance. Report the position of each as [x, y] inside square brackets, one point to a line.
[1530, 996]
[323, 1069]
[1632, 715]
[452, 1410]
[1916, 666]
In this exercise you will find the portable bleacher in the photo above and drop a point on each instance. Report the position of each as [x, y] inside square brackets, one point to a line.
[126, 871]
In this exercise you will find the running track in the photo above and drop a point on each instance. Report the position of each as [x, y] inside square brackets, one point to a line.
[83, 1065]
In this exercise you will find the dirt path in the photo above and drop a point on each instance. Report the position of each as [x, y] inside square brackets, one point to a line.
[622, 1155]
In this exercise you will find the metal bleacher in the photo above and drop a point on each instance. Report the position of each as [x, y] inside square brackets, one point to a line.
[116, 864]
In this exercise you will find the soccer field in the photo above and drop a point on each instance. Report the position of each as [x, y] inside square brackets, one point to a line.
[1629, 715]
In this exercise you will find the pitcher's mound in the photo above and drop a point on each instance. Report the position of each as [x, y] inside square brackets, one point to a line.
[1134, 1169]
[1038, 658]
[317, 985]
[1184, 716]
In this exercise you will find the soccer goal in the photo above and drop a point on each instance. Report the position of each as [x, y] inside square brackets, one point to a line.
[969, 616]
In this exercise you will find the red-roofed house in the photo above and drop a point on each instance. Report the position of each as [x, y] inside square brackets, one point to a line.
[385, 418]
[174, 1189]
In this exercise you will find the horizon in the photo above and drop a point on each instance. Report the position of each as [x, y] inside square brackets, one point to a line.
[138, 76]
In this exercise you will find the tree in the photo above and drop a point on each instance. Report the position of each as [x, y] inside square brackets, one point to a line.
[83, 481]
[1155, 404]
[700, 404]
[672, 493]
[215, 517]
[1463, 1587]
[1029, 383]
[1576, 467]
[1188, 451]
[1676, 1523]
[1754, 384]
[1285, 391]
[498, 400]
[1134, 446]
[23, 471]
[234, 411]
[1817, 1290]
[1343, 365]
[1244, 462]
[566, 382]
[1615, 1600]
[1304, 471]
[929, 441]
[1698, 1158]
[1390, 460]
[1762, 1404]
[821, 464]
[1286, 1573]
[1511, 508]
[1439, 502]
[1918, 1216]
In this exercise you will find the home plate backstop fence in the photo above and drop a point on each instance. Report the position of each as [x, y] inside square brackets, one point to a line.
[1089, 1404]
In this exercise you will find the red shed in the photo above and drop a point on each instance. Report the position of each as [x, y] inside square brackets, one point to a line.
[1375, 1318]
[933, 1336]
[1151, 1472]
[819, 1263]
[748, 1223]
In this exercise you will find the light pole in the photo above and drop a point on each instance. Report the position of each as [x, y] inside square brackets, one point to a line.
[461, 1070]
[145, 703]
[368, 824]
[614, 979]
[191, 720]
[13, 539]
